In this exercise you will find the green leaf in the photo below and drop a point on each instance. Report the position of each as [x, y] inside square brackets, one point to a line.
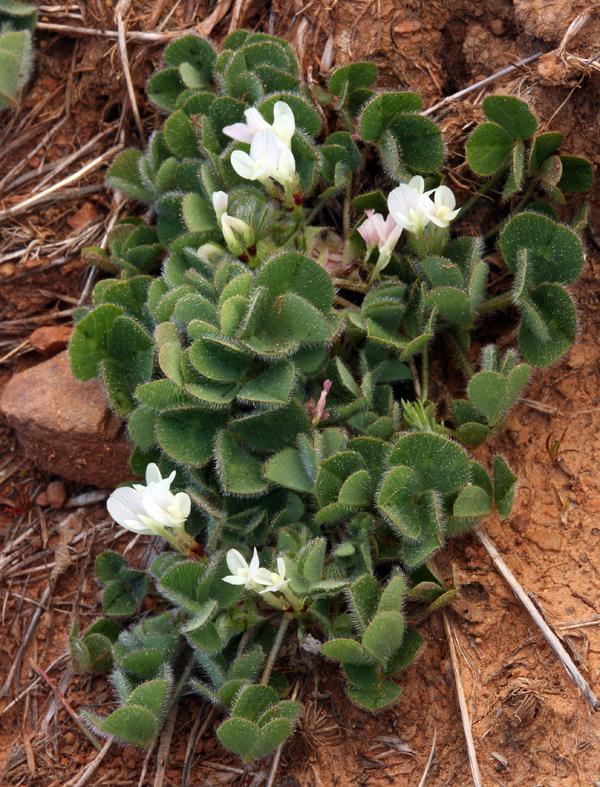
[194, 50]
[577, 174]
[554, 252]
[374, 700]
[348, 651]
[287, 470]
[108, 566]
[253, 701]
[351, 76]
[89, 343]
[239, 472]
[239, 736]
[187, 434]
[472, 502]
[440, 463]
[164, 88]
[396, 500]
[488, 148]
[558, 314]
[544, 145]
[504, 486]
[512, 114]
[124, 175]
[271, 430]
[132, 724]
[180, 136]
[384, 634]
[306, 116]
[272, 735]
[420, 142]
[363, 596]
[293, 272]
[382, 109]
[273, 387]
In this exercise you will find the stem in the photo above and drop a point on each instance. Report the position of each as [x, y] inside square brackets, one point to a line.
[473, 200]
[519, 206]
[502, 301]
[425, 374]
[285, 622]
[460, 357]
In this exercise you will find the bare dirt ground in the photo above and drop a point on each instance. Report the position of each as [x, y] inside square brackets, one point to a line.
[530, 725]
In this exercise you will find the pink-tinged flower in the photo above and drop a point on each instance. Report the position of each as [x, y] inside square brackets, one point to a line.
[380, 232]
[283, 125]
[317, 411]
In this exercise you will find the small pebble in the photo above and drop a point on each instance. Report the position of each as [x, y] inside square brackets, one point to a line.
[497, 27]
[56, 494]
[69, 738]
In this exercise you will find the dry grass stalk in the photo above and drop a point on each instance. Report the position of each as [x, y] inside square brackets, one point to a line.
[538, 619]
[462, 703]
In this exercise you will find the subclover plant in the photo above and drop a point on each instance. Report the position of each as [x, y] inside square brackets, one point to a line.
[17, 20]
[267, 337]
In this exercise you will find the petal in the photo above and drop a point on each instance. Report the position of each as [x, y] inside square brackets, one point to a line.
[286, 163]
[256, 121]
[445, 196]
[243, 164]
[235, 580]
[182, 504]
[281, 567]
[125, 504]
[417, 183]
[263, 576]
[220, 200]
[153, 475]
[138, 527]
[236, 561]
[240, 132]
[265, 147]
[254, 563]
[284, 123]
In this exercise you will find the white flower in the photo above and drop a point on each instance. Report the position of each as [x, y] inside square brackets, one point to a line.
[237, 233]
[444, 204]
[151, 509]
[268, 158]
[220, 201]
[242, 572]
[284, 125]
[274, 580]
[410, 206]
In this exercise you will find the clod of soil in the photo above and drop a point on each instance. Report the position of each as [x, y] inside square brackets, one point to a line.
[65, 426]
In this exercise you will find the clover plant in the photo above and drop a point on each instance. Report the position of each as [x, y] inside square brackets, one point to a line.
[17, 20]
[268, 340]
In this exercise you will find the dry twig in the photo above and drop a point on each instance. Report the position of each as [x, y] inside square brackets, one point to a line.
[462, 703]
[538, 619]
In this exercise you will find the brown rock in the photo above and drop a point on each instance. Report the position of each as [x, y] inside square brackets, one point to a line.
[84, 216]
[50, 339]
[497, 27]
[407, 26]
[546, 537]
[65, 426]
[56, 494]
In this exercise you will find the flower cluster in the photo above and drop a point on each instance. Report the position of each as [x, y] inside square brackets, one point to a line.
[411, 208]
[270, 155]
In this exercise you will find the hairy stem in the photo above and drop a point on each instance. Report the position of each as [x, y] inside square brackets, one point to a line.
[498, 302]
[273, 653]
[425, 374]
